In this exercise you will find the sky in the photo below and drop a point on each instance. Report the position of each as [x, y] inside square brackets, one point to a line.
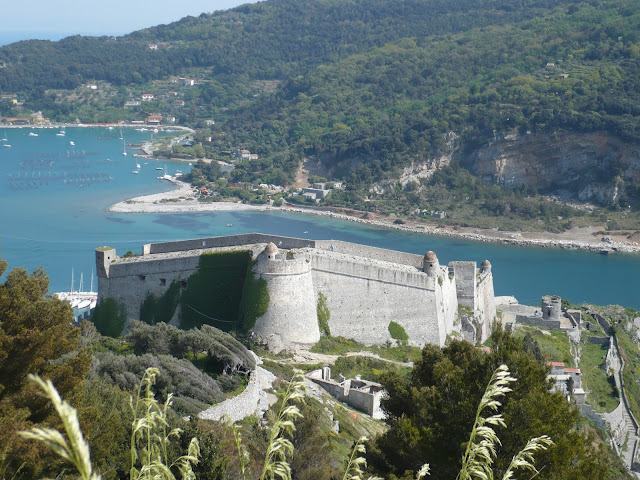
[54, 19]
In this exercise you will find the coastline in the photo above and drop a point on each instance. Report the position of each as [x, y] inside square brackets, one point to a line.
[182, 200]
[99, 125]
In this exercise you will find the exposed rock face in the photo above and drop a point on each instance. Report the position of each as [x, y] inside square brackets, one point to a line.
[592, 166]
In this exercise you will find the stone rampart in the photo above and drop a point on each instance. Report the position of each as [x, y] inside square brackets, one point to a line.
[538, 322]
[374, 253]
[598, 340]
[365, 287]
[617, 423]
[227, 241]
[594, 416]
[364, 296]
[251, 401]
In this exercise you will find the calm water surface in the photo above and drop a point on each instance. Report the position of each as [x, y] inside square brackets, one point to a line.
[54, 215]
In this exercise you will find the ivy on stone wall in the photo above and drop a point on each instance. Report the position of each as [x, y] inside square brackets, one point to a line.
[323, 315]
[160, 309]
[398, 333]
[214, 294]
[255, 299]
[109, 317]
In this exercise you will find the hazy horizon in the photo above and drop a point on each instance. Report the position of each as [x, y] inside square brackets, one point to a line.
[46, 20]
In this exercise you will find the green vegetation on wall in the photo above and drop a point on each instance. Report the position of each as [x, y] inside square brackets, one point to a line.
[160, 309]
[255, 300]
[323, 315]
[109, 317]
[398, 333]
[213, 294]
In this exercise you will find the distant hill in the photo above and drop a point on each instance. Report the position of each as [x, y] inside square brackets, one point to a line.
[368, 87]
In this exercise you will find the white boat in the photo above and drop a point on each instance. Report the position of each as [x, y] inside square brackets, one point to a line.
[135, 171]
[157, 168]
[124, 148]
[4, 139]
[61, 133]
[6, 145]
[84, 303]
[110, 128]
[72, 143]
[137, 165]
[31, 134]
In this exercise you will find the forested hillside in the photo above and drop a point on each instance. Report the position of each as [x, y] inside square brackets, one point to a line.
[364, 87]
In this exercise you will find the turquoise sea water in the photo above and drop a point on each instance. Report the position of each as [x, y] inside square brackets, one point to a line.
[47, 222]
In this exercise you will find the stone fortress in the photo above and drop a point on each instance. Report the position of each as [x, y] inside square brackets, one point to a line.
[364, 288]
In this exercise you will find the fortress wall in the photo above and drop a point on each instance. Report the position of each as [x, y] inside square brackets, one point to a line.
[130, 283]
[364, 296]
[371, 252]
[227, 241]
[465, 273]
[446, 304]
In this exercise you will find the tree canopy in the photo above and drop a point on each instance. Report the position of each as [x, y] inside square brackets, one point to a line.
[36, 337]
[431, 411]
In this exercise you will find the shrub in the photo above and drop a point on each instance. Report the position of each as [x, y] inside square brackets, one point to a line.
[323, 315]
[109, 317]
[398, 333]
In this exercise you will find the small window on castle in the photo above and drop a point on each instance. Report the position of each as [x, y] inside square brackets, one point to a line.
[183, 284]
[163, 282]
[142, 277]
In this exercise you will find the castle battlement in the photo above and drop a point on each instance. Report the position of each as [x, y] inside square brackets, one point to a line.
[363, 288]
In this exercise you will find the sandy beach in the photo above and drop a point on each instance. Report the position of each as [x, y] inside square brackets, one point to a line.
[183, 200]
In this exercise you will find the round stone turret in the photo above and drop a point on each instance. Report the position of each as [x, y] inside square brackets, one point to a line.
[430, 265]
[551, 307]
[291, 320]
[485, 267]
[271, 251]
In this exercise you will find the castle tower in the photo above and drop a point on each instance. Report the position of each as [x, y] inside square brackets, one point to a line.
[430, 264]
[485, 267]
[551, 307]
[291, 320]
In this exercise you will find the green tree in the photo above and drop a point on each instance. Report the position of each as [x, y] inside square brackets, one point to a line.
[431, 411]
[36, 337]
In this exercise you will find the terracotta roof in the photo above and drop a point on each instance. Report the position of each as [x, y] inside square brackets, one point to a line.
[556, 364]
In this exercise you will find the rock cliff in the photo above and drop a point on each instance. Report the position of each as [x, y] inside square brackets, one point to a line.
[589, 166]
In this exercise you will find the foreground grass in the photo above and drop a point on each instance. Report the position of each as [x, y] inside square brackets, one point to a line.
[341, 345]
[602, 393]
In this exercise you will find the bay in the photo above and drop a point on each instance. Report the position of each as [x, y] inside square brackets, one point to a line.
[46, 222]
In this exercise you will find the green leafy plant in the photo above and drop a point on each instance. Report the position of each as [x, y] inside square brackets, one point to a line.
[323, 315]
[481, 448]
[76, 449]
[398, 333]
[150, 438]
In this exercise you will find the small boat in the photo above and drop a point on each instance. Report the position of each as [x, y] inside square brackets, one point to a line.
[110, 128]
[31, 134]
[4, 139]
[159, 168]
[135, 171]
[72, 143]
[6, 145]
[61, 133]
[83, 304]
[124, 148]
[137, 165]
[229, 224]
